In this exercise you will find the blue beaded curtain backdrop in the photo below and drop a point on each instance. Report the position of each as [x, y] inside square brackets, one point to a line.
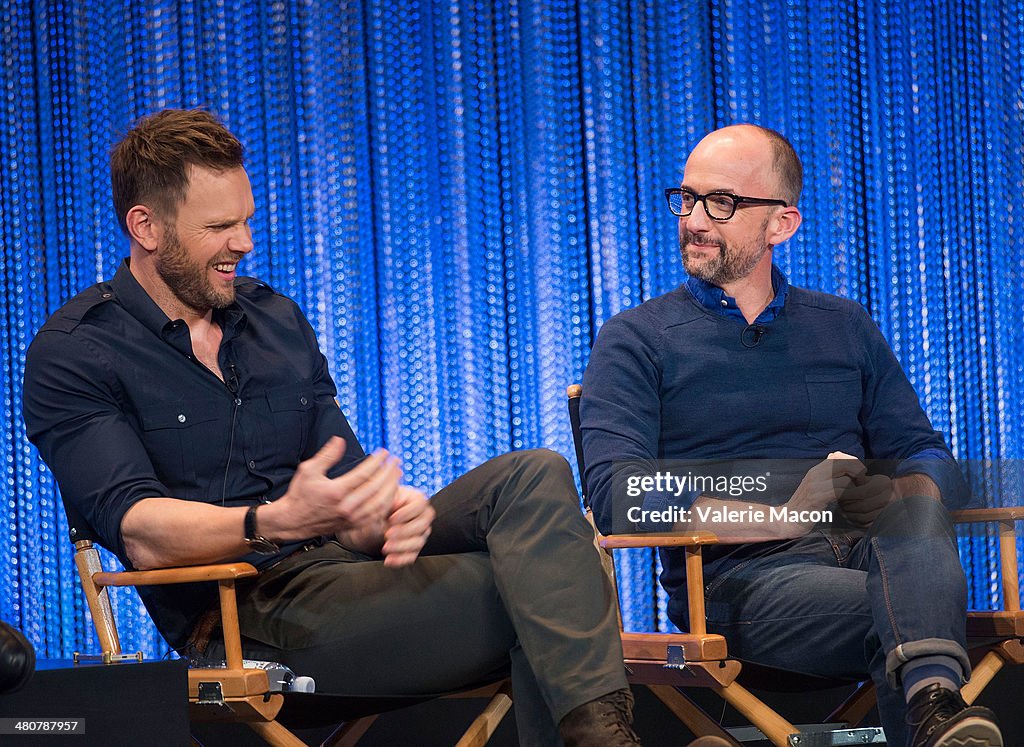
[460, 193]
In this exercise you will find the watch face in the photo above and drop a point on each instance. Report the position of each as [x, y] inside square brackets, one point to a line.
[261, 545]
[256, 541]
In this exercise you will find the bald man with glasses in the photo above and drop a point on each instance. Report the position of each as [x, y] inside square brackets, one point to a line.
[736, 367]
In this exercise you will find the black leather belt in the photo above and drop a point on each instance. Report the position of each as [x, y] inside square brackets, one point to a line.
[311, 545]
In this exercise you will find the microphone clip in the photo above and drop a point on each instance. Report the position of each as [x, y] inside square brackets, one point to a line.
[752, 335]
[231, 380]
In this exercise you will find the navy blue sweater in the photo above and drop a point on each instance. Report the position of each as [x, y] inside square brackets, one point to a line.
[672, 379]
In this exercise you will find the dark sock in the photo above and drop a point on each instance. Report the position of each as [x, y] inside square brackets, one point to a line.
[919, 673]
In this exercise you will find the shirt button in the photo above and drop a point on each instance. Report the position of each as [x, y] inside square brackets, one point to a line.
[302, 400]
[252, 464]
[724, 302]
[238, 401]
[181, 418]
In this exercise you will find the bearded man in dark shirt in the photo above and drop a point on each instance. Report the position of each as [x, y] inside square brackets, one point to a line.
[189, 416]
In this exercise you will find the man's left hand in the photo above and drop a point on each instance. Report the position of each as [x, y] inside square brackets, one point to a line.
[408, 527]
[863, 501]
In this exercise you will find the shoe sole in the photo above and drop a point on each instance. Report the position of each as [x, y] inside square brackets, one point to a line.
[972, 732]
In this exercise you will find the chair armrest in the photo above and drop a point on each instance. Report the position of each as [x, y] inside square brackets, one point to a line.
[183, 575]
[1008, 563]
[978, 515]
[666, 539]
[224, 573]
[692, 542]
[675, 539]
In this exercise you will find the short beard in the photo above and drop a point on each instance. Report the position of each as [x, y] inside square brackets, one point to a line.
[726, 267]
[187, 280]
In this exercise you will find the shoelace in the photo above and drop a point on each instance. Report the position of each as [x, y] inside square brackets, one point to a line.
[619, 715]
[941, 706]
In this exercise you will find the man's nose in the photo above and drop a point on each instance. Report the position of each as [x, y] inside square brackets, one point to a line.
[241, 240]
[698, 220]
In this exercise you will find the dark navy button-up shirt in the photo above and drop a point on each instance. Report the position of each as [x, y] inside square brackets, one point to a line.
[122, 410]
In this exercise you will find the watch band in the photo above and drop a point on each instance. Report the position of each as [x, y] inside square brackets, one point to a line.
[256, 541]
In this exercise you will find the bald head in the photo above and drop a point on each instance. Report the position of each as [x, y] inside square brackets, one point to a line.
[757, 153]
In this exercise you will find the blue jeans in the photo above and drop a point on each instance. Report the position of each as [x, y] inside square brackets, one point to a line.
[847, 606]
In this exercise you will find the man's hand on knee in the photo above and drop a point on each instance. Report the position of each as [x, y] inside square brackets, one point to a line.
[826, 481]
[315, 504]
[408, 527]
[863, 501]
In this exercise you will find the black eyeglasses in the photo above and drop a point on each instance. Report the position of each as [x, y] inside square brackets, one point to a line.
[719, 206]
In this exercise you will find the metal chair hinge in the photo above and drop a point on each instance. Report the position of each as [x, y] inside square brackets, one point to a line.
[839, 737]
[210, 693]
[675, 658]
[106, 658]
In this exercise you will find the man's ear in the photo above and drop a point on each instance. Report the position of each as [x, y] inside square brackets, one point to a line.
[143, 227]
[783, 225]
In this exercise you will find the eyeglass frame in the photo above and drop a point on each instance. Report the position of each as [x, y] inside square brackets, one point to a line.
[701, 198]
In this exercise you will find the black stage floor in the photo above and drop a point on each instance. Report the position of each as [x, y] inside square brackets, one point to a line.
[144, 704]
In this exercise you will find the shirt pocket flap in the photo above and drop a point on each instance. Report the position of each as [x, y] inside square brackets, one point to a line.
[180, 415]
[291, 397]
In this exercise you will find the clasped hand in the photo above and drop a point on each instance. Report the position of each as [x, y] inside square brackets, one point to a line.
[367, 508]
[843, 478]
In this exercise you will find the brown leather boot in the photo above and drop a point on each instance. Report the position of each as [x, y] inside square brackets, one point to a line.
[605, 722]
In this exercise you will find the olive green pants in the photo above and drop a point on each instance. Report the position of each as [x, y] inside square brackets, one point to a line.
[509, 580]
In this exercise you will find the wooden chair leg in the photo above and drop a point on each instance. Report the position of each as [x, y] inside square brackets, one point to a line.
[349, 733]
[684, 709]
[274, 734]
[484, 725]
[981, 674]
[853, 710]
[771, 724]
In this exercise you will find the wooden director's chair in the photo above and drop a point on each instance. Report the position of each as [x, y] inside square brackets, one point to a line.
[240, 693]
[669, 662]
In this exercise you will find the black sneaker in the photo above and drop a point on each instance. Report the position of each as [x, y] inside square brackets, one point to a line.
[939, 717]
